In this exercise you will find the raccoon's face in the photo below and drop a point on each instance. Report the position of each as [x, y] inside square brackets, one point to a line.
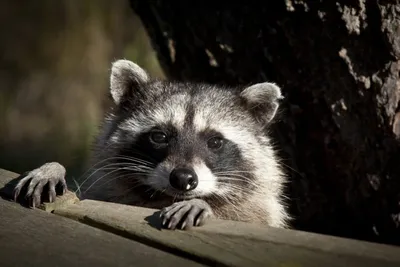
[189, 140]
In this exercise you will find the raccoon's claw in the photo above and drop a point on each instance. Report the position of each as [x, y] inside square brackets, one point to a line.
[186, 214]
[51, 173]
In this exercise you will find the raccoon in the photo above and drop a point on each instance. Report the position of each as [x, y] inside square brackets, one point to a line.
[193, 150]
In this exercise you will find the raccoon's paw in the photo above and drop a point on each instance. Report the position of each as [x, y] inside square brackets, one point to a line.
[186, 214]
[51, 174]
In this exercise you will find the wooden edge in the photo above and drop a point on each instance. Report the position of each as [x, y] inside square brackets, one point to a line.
[219, 241]
[231, 242]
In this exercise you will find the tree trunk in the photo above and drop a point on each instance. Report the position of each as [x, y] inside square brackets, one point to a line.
[338, 63]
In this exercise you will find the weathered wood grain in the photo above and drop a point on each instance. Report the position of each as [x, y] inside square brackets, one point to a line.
[36, 238]
[41, 236]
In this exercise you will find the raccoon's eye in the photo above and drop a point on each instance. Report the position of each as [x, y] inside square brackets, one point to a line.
[159, 137]
[215, 143]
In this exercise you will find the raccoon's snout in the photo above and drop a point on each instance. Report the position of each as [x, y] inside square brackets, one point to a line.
[183, 179]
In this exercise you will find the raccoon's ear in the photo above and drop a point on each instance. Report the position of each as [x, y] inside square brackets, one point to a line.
[125, 76]
[262, 100]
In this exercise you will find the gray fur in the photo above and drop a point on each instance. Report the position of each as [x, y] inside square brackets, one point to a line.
[193, 212]
[240, 180]
[263, 94]
[51, 173]
[125, 74]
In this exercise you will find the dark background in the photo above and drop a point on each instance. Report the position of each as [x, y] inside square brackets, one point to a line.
[54, 69]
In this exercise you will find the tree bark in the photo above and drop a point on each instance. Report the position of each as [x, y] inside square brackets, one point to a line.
[338, 63]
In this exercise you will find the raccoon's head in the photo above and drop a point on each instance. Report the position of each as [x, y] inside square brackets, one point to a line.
[190, 140]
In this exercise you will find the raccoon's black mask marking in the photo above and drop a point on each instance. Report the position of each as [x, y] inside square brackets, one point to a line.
[184, 145]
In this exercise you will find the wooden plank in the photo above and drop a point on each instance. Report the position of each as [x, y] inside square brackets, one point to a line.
[233, 243]
[37, 238]
[229, 243]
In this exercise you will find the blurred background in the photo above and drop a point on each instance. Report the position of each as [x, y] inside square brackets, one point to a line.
[54, 72]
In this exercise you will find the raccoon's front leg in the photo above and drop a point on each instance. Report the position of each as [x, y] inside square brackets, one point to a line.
[51, 173]
[186, 213]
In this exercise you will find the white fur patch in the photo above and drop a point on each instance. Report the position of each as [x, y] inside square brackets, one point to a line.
[199, 120]
[263, 158]
[237, 135]
[172, 111]
[137, 125]
[207, 181]
[175, 110]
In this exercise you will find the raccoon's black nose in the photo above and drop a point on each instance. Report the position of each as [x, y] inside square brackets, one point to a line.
[183, 179]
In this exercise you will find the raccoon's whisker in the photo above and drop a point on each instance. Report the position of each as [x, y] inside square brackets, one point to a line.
[237, 178]
[151, 186]
[155, 188]
[234, 188]
[238, 192]
[149, 164]
[129, 167]
[287, 166]
[99, 169]
[132, 159]
[124, 165]
[225, 199]
[132, 173]
[78, 188]
[231, 185]
[97, 180]
[225, 178]
[137, 152]
[134, 183]
[123, 194]
[144, 162]
[108, 173]
[231, 172]
[155, 191]
[234, 191]
[232, 175]
[91, 167]
[148, 189]
[103, 149]
[235, 208]
[119, 177]
[222, 197]
[87, 178]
